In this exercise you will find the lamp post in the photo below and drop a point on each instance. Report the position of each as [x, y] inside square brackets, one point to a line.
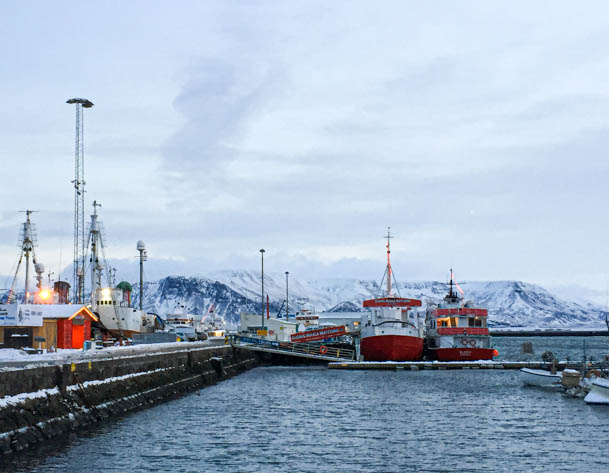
[287, 312]
[141, 247]
[262, 281]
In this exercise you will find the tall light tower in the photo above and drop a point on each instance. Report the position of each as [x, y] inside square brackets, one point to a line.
[79, 200]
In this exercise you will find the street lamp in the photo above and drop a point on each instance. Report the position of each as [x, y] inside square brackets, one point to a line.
[262, 280]
[287, 312]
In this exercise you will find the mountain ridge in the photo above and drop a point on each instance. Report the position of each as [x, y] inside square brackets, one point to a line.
[510, 303]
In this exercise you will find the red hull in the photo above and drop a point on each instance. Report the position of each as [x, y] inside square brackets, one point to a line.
[391, 348]
[462, 354]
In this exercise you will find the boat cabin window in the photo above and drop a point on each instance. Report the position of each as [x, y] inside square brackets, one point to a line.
[471, 322]
[453, 322]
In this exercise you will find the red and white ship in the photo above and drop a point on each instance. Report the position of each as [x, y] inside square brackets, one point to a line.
[391, 330]
[457, 331]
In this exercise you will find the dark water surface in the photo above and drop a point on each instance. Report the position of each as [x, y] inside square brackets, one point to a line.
[312, 419]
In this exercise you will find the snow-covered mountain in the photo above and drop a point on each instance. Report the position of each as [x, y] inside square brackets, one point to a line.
[510, 303]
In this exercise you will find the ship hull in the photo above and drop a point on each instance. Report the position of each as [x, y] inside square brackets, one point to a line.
[391, 348]
[461, 354]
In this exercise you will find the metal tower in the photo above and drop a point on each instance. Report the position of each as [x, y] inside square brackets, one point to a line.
[27, 242]
[79, 200]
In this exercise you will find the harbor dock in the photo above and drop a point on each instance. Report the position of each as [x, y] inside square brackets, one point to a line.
[449, 365]
[46, 399]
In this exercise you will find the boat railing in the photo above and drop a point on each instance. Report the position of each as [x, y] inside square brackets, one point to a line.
[395, 321]
[464, 331]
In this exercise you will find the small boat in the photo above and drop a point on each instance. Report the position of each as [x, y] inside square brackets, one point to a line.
[541, 378]
[599, 392]
[456, 330]
[211, 328]
[182, 324]
[391, 330]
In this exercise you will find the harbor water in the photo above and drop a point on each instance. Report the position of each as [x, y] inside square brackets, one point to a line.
[311, 419]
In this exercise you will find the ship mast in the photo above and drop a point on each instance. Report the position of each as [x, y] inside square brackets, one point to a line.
[27, 242]
[96, 268]
[450, 291]
[389, 271]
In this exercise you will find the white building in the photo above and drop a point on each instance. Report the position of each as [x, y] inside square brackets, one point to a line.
[274, 329]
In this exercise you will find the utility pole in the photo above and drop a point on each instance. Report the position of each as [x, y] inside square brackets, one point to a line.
[262, 280]
[287, 312]
[79, 200]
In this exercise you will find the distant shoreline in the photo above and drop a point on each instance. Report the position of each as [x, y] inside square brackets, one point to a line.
[549, 333]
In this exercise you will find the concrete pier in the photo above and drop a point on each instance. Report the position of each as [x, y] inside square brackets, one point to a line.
[46, 401]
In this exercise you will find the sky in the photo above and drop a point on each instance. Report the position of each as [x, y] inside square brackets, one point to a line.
[476, 130]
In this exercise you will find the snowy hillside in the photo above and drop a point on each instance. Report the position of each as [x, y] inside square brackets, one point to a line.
[510, 303]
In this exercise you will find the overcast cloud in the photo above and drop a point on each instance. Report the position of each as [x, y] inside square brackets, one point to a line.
[476, 130]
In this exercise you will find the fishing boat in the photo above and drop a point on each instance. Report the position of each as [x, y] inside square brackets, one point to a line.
[456, 330]
[540, 378]
[391, 330]
[113, 303]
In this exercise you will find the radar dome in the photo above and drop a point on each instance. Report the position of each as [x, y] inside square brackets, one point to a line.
[141, 246]
[39, 268]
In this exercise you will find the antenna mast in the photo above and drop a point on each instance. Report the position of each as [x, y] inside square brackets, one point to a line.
[389, 271]
[79, 200]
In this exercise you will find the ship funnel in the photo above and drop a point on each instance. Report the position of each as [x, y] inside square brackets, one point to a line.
[62, 289]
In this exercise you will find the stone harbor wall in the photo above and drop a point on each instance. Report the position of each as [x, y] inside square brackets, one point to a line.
[43, 402]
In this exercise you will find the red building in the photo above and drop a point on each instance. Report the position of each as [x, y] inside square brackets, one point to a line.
[75, 329]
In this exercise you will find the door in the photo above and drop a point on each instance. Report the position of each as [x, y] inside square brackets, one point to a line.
[78, 336]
